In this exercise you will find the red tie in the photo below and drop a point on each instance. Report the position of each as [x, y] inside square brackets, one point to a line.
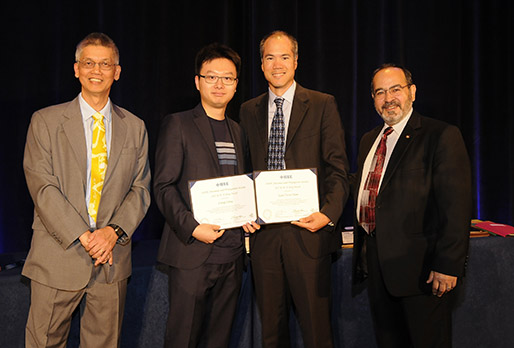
[369, 194]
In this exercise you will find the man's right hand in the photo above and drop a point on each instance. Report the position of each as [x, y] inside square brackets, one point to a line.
[207, 233]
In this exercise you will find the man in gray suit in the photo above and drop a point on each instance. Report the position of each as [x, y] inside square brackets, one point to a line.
[87, 204]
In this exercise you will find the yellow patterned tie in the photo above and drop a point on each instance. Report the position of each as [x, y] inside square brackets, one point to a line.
[98, 164]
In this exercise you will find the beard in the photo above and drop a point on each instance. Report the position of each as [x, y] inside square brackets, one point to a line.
[396, 115]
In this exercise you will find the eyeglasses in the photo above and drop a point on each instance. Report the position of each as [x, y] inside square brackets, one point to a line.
[393, 91]
[90, 64]
[212, 79]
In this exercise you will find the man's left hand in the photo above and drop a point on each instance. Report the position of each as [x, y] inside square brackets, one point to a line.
[251, 227]
[441, 283]
[313, 222]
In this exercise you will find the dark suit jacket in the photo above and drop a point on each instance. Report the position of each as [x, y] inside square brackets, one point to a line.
[55, 165]
[186, 151]
[423, 208]
[315, 139]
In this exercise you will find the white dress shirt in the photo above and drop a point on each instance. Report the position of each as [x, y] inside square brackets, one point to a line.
[392, 139]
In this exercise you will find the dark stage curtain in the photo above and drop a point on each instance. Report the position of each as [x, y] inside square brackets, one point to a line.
[460, 54]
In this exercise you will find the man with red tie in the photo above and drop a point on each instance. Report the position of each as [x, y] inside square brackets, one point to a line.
[413, 212]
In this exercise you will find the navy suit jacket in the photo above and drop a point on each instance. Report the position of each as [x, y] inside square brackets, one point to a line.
[423, 208]
[186, 151]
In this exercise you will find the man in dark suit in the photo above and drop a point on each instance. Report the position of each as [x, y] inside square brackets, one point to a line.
[75, 154]
[291, 261]
[205, 264]
[413, 211]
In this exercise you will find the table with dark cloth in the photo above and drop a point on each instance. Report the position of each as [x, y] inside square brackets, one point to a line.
[483, 317]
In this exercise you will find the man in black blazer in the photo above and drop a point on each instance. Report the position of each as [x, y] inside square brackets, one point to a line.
[291, 261]
[417, 250]
[205, 264]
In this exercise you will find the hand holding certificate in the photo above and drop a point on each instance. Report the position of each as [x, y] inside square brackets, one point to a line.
[227, 201]
[286, 195]
[272, 197]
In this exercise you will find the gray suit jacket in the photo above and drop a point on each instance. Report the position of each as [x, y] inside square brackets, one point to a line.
[55, 165]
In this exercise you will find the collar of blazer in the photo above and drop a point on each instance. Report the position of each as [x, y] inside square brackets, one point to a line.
[74, 130]
[404, 142]
[118, 138]
[202, 122]
[298, 112]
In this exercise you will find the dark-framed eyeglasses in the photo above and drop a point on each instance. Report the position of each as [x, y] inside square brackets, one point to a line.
[212, 79]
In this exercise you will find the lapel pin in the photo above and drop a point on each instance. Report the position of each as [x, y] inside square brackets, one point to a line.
[407, 136]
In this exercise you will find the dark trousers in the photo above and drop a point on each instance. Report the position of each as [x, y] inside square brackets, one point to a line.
[285, 275]
[419, 321]
[203, 304]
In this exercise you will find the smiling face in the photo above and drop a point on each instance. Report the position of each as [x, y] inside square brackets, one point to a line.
[96, 82]
[393, 107]
[215, 97]
[279, 63]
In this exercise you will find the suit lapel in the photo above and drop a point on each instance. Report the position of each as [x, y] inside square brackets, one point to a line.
[202, 123]
[298, 111]
[74, 129]
[261, 118]
[118, 135]
[406, 138]
[365, 147]
[236, 138]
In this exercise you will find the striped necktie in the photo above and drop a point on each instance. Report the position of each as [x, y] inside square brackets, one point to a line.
[369, 194]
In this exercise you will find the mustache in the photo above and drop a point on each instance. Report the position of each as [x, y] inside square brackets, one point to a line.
[391, 103]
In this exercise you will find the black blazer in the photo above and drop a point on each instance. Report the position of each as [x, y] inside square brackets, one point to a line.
[315, 139]
[423, 208]
[186, 151]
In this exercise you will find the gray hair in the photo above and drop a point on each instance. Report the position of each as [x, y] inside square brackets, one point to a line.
[97, 39]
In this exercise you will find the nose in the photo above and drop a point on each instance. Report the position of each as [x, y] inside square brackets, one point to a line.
[277, 63]
[96, 67]
[388, 96]
[219, 83]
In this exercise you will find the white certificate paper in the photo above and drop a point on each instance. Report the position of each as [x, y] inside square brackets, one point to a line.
[226, 201]
[286, 195]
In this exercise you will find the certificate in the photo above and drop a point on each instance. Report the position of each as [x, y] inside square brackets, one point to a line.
[286, 195]
[226, 201]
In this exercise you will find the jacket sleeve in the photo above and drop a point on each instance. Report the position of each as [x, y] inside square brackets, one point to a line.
[53, 209]
[169, 163]
[452, 191]
[335, 161]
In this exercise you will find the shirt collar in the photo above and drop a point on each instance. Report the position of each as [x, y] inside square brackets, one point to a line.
[288, 95]
[87, 111]
[398, 128]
